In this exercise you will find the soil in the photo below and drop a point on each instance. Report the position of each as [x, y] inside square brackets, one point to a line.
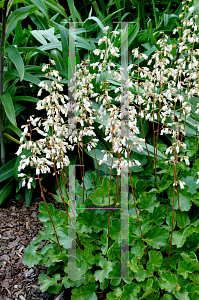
[18, 227]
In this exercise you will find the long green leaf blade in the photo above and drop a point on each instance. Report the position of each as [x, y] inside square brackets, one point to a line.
[40, 4]
[6, 190]
[9, 108]
[7, 170]
[25, 98]
[15, 57]
[56, 7]
[64, 42]
[16, 16]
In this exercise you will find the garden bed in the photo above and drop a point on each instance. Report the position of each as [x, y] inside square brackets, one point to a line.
[18, 226]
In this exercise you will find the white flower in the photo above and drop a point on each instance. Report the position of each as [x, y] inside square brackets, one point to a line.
[182, 184]
[29, 183]
[144, 56]
[139, 148]
[39, 92]
[106, 28]
[187, 161]
[114, 51]
[137, 163]
[52, 62]
[19, 150]
[21, 175]
[115, 33]
[97, 51]
[135, 52]
[191, 9]
[44, 68]
[177, 149]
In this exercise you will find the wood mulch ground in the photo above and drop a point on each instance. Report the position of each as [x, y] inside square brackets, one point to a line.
[18, 227]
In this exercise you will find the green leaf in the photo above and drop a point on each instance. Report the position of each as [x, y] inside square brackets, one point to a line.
[31, 256]
[74, 12]
[148, 202]
[167, 297]
[168, 281]
[28, 195]
[40, 4]
[191, 183]
[27, 76]
[33, 51]
[55, 289]
[16, 16]
[7, 170]
[6, 190]
[114, 295]
[87, 292]
[107, 267]
[133, 264]
[138, 249]
[58, 59]
[179, 237]
[184, 199]
[151, 34]
[44, 216]
[64, 239]
[191, 258]
[25, 98]
[100, 197]
[155, 260]
[64, 42]
[42, 35]
[114, 229]
[142, 274]
[182, 220]
[97, 21]
[158, 215]
[149, 288]
[130, 291]
[56, 7]
[156, 237]
[9, 108]
[47, 282]
[182, 295]
[100, 221]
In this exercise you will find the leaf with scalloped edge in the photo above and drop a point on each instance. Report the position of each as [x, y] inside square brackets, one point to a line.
[86, 292]
[107, 267]
[155, 260]
[46, 282]
[168, 281]
[156, 237]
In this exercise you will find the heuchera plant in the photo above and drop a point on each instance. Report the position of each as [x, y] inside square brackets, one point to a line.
[163, 232]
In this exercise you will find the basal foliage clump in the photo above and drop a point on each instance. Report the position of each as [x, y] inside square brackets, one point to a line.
[156, 256]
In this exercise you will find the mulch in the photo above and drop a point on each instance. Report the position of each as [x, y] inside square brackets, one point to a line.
[18, 227]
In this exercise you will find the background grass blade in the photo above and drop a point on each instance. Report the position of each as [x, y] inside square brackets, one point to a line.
[7, 170]
[9, 107]
[15, 57]
[6, 190]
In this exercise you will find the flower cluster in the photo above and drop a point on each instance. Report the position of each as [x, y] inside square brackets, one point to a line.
[50, 150]
[164, 90]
